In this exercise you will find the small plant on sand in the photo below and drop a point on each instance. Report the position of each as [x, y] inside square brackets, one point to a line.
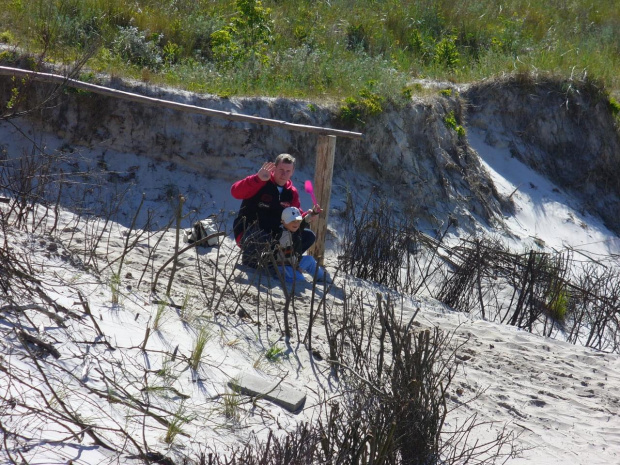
[202, 339]
[186, 312]
[159, 313]
[232, 401]
[274, 353]
[174, 426]
[166, 372]
[115, 286]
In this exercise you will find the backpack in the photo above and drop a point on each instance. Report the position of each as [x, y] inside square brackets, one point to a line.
[202, 229]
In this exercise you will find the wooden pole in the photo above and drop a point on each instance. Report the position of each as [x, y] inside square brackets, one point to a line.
[227, 115]
[324, 170]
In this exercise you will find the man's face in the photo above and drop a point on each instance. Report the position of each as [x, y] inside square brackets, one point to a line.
[293, 225]
[283, 173]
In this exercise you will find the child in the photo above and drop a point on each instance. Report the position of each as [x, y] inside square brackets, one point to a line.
[289, 250]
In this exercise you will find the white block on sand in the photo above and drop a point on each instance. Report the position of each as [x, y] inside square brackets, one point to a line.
[276, 391]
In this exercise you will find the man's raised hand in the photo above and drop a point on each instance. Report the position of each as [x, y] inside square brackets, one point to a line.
[264, 173]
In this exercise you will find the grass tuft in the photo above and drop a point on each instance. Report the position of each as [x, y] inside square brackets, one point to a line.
[159, 313]
[231, 405]
[274, 353]
[204, 335]
[175, 425]
[115, 286]
[558, 307]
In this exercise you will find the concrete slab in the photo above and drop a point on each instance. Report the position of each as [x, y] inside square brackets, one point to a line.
[274, 390]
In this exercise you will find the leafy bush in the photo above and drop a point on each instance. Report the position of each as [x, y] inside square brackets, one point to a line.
[171, 53]
[451, 122]
[77, 31]
[447, 54]
[8, 56]
[357, 38]
[224, 48]
[245, 37]
[6, 37]
[133, 46]
[358, 109]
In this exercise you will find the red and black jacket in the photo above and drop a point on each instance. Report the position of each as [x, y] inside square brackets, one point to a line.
[262, 202]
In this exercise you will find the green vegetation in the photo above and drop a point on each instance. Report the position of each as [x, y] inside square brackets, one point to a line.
[558, 306]
[615, 106]
[320, 49]
[202, 339]
[6, 37]
[367, 103]
[231, 404]
[450, 122]
[161, 308]
[175, 425]
[274, 353]
[115, 287]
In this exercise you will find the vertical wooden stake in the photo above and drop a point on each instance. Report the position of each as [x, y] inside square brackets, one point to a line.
[324, 170]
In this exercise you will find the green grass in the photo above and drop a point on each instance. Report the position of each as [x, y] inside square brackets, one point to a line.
[318, 49]
[203, 337]
[159, 313]
[231, 401]
[175, 424]
[167, 370]
[115, 288]
[274, 353]
[450, 122]
[558, 306]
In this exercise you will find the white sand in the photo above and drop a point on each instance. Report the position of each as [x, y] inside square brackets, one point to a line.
[562, 399]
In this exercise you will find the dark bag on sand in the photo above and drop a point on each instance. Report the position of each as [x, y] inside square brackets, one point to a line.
[202, 229]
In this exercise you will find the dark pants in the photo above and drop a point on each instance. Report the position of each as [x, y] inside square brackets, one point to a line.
[307, 239]
[256, 244]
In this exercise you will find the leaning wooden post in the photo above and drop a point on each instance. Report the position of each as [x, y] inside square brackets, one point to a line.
[324, 170]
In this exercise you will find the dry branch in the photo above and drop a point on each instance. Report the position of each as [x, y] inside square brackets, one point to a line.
[45, 346]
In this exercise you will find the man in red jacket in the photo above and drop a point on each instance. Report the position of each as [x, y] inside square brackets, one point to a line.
[264, 195]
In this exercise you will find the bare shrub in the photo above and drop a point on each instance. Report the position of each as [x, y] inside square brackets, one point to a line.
[392, 408]
[593, 307]
[377, 245]
[464, 277]
[400, 390]
[542, 292]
